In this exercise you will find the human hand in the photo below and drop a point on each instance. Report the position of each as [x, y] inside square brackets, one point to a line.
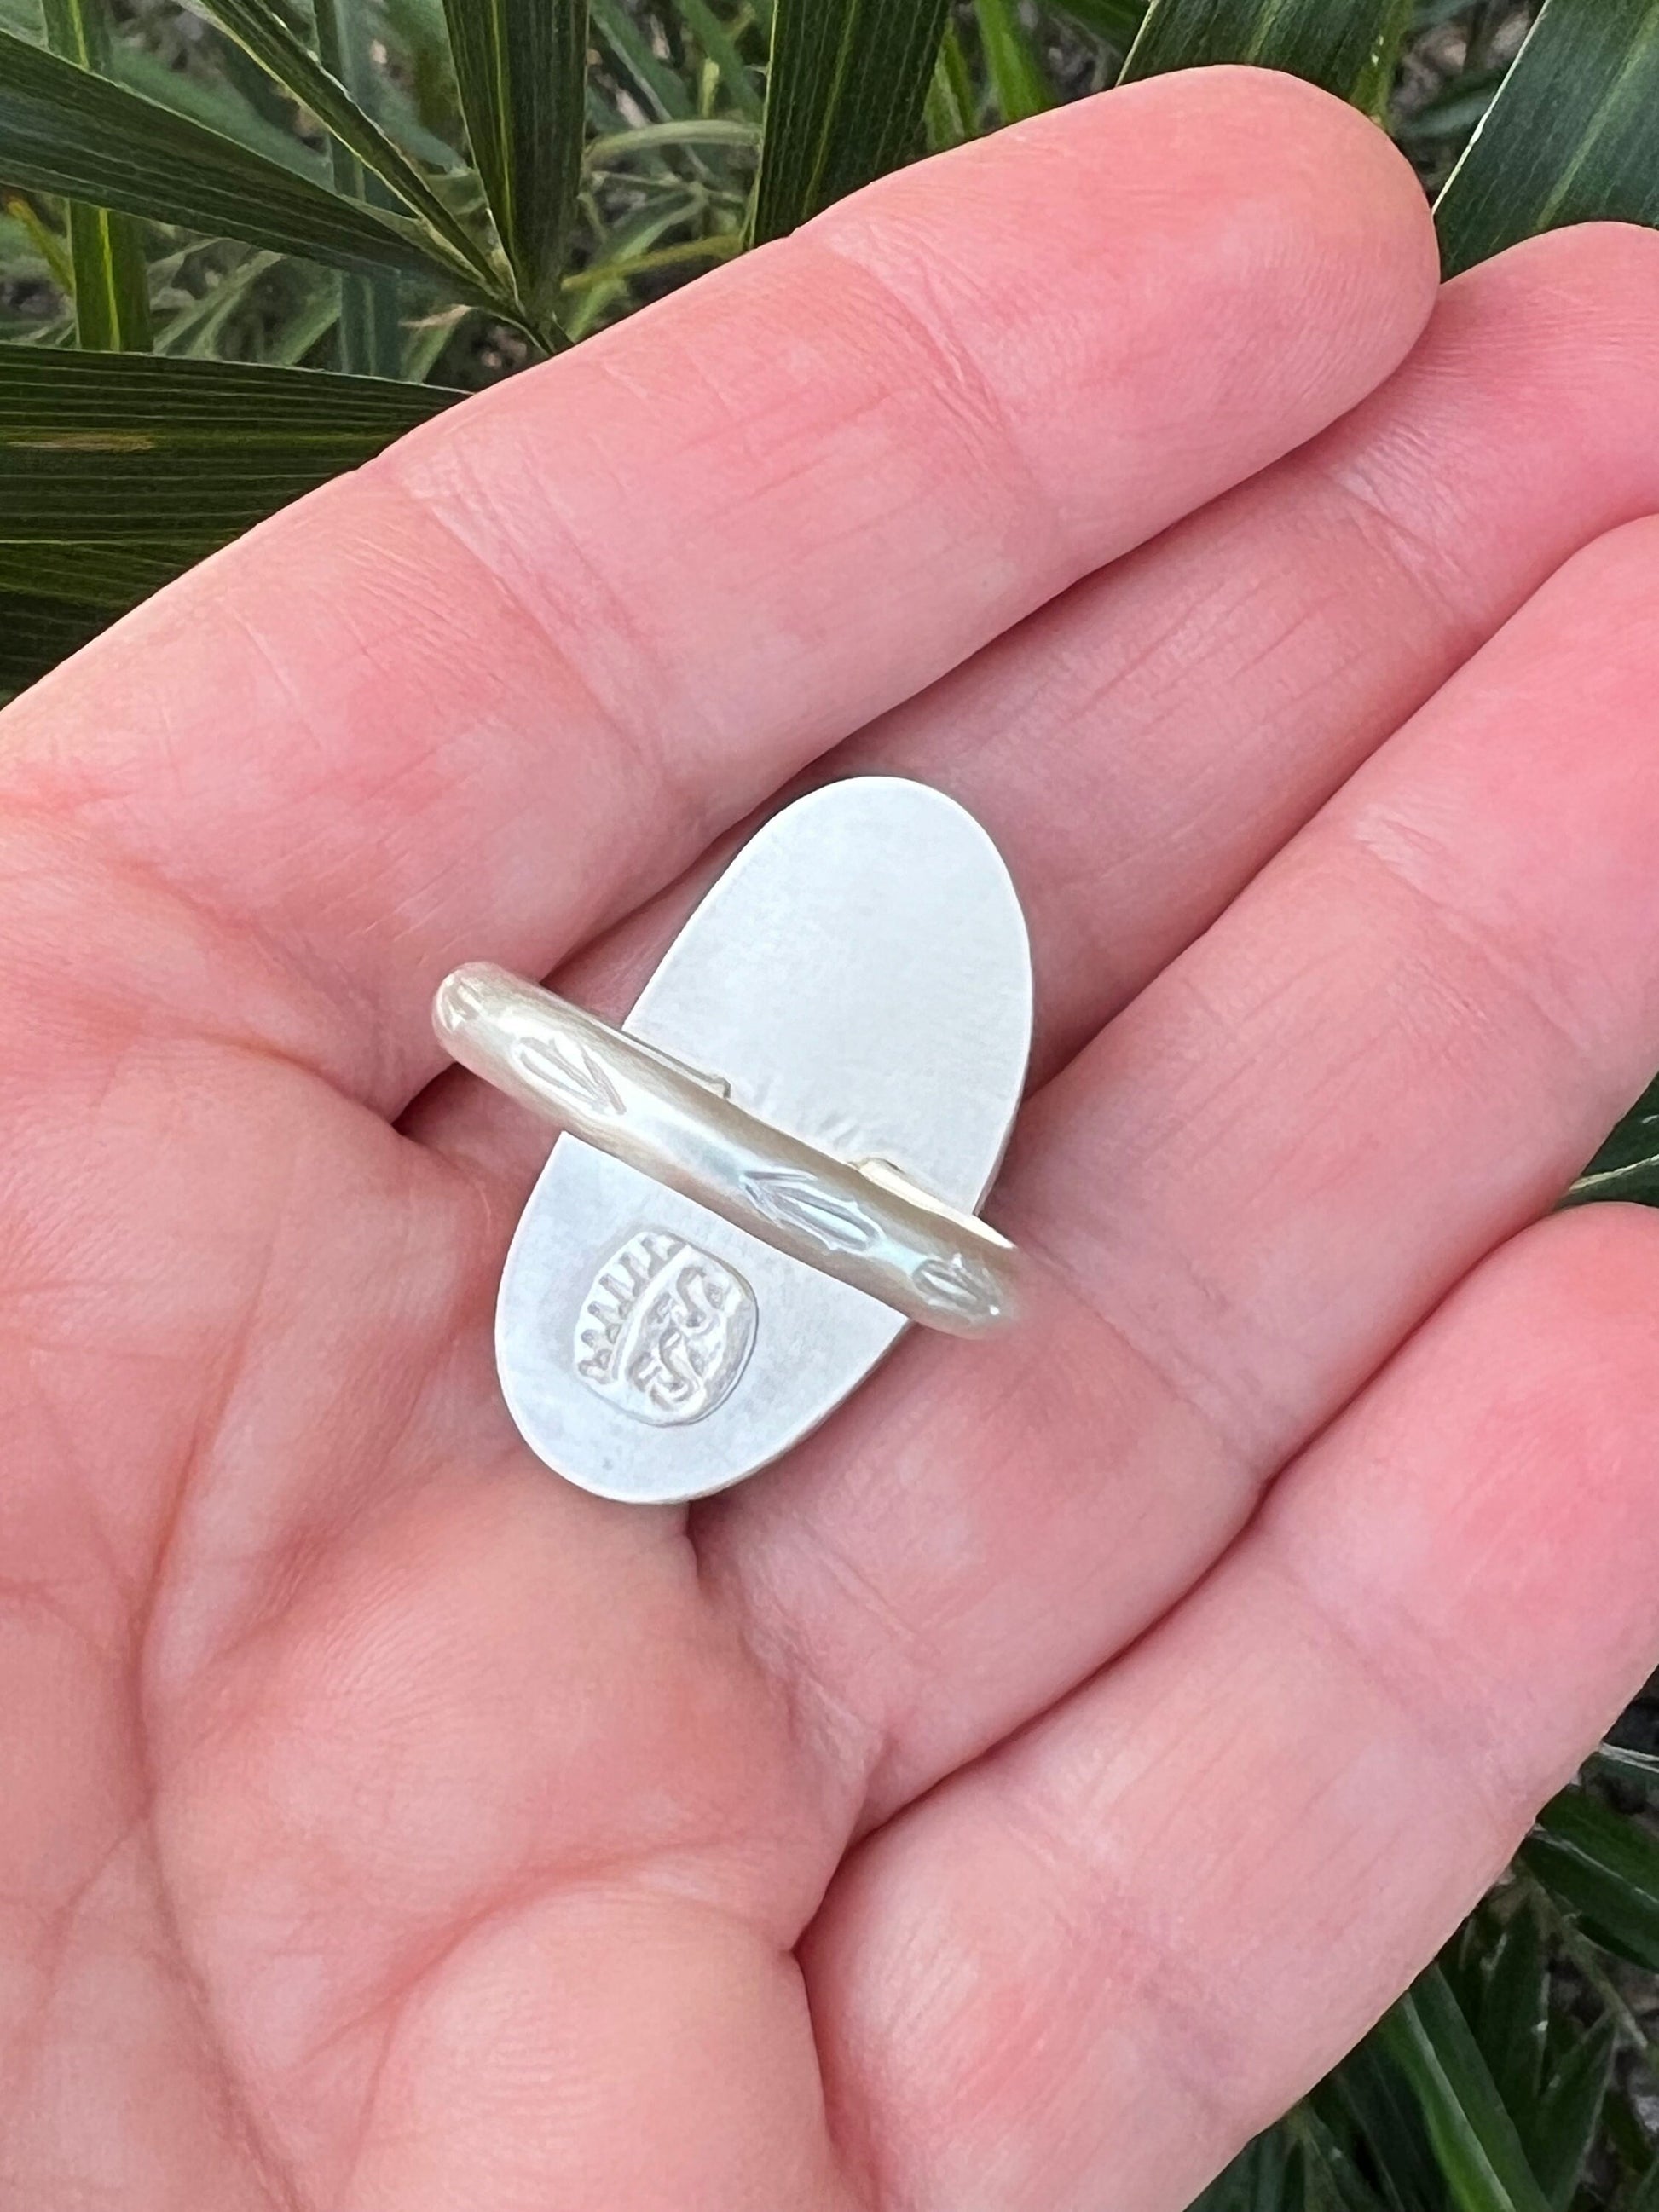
[1014, 1799]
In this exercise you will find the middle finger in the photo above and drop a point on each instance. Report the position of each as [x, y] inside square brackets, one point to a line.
[1393, 1050]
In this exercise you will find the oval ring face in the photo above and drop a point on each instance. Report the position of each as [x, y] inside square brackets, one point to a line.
[861, 977]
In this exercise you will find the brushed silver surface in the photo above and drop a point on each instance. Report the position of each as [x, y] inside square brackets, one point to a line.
[858, 978]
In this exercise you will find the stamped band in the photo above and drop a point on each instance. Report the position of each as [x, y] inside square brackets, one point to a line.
[865, 1223]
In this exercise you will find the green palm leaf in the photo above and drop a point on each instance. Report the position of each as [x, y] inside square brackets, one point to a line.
[1570, 137]
[1514, 2012]
[849, 85]
[1561, 2127]
[1344, 48]
[1603, 1869]
[262, 32]
[522, 67]
[1474, 2138]
[96, 573]
[1368, 2101]
[62, 129]
[36, 633]
[139, 448]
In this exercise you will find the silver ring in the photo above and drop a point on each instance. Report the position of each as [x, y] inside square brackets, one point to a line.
[775, 1164]
[864, 1222]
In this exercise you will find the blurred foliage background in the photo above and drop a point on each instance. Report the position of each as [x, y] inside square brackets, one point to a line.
[244, 243]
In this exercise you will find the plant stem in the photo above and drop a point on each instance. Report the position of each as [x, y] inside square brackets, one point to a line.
[110, 281]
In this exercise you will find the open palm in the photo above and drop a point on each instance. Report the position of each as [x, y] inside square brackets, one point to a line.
[1012, 1801]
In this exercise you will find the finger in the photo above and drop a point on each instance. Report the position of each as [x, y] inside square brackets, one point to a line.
[493, 690]
[1395, 1048]
[1192, 705]
[1088, 1970]
[1197, 702]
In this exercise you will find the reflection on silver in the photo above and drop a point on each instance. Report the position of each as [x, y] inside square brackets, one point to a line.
[878, 1231]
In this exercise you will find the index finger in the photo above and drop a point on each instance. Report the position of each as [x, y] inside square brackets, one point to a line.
[478, 699]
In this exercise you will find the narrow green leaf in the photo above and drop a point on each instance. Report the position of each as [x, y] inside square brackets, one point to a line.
[632, 250]
[1117, 21]
[1452, 113]
[717, 42]
[652, 138]
[1334, 2182]
[1337, 46]
[1515, 2012]
[522, 66]
[47, 248]
[111, 282]
[36, 634]
[1638, 1184]
[114, 576]
[1570, 137]
[1367, 2102]
[55, 599]
[1624, 2136]
[721, 247]
[1375, 89]
[1560, 2129]
[426, 341]
[951, 111]
[370, 329]
[1463, 1961]
[662, 86]
[140, 447]
[314, 318]
[261, 30]
[420, 31]
[848, 87]
[64, 130]
[1646, 2196]
[1627, 1164]
[222, 103]
[194, 327]
[1640, 1767]
[112, 286]
[1255, 2180]
[1475, 2137]
[1016, 74]
[1602, 1868]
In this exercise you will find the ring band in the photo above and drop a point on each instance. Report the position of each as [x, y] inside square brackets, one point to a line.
[864, 1223]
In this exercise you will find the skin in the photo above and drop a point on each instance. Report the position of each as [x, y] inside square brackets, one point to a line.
[1015, 1800]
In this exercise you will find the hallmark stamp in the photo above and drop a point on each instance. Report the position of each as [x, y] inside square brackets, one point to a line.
[665, 1331]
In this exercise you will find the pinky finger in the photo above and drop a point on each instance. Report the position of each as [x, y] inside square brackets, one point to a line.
[1090, 1967]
